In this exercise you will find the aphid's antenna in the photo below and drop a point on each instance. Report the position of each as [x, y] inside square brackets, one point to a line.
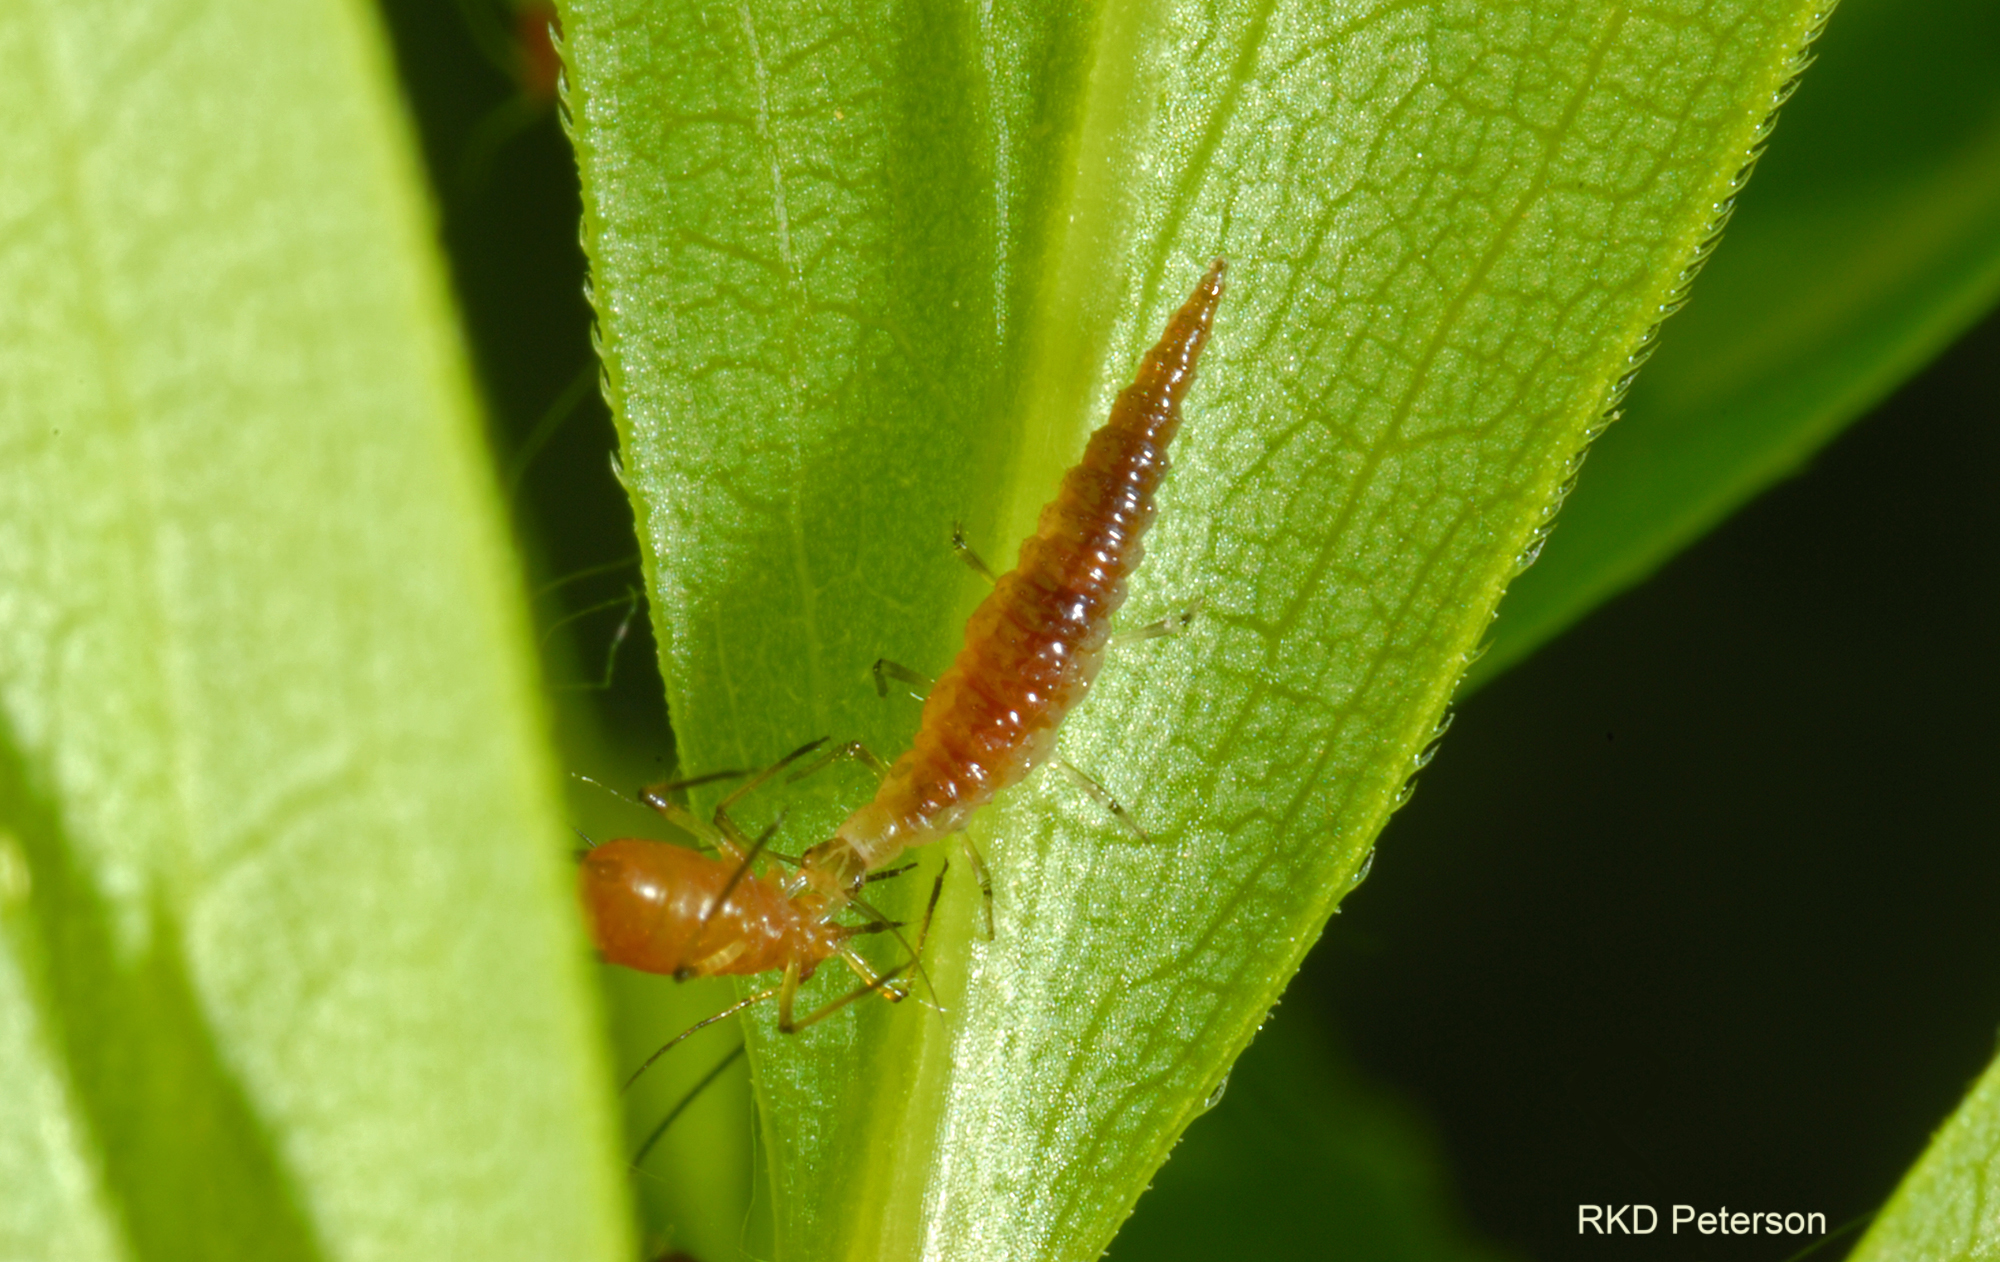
[587, 842]
[675, 786]
[703, 1024]
[674, 1113]
[603, 787]
[576, 615]
[591, 571]
[603, 684]
[551, 420]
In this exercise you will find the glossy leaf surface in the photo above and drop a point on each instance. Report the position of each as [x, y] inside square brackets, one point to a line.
[861, 273]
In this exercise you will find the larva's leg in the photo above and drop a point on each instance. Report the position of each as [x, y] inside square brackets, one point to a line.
[967, 555]
[1174, 624]
[982, 874]
[1090, 784]
[885, 670]
[852, 749]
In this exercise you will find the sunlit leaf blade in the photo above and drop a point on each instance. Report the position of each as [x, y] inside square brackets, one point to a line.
[287, 965]
[862, 273]
[1948, 1208]
[1873, 239]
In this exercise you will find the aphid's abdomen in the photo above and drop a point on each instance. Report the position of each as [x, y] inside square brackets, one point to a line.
[1035, 644]
[645, 902]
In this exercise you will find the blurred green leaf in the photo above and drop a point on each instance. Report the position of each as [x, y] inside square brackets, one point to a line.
[1945, 1211]
[863, 273]
[1869, 240]
[287, 963]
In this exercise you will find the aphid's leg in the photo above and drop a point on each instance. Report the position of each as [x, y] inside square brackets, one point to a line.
[674, 1113]
[1173, 624]
[871, 982]
[790, 988]
[656, 797]
[684, 819]
[736, 842]
[709, 965]
[884, 875]
[860, 967]
[916, 959]
[702, 1024]
[885, 670]
[722, 899]
[1090, 784]
[967, 555]
[985, 877]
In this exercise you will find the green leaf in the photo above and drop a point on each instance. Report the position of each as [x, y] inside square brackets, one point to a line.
[863, 273]
[287, 963]
[1871, 241]
[1944, 1210]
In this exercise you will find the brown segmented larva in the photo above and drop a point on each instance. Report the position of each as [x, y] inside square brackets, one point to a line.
[1031, 650]
[1035, 644]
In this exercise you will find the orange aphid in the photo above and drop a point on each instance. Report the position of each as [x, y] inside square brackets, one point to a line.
[650, 906]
